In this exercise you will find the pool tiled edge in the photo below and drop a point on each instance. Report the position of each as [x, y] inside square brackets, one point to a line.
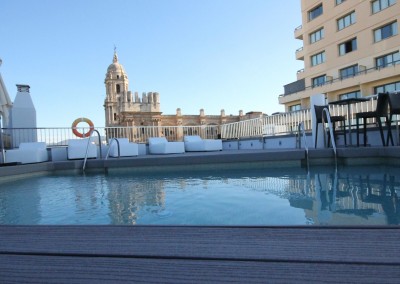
[269, 159]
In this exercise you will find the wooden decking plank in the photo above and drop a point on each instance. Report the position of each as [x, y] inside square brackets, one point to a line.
[308, 244]
[45, 269]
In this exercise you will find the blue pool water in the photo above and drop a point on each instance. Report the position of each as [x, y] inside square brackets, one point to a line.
[353, 196]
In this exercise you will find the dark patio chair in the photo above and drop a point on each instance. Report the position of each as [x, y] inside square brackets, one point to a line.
[334, 119]
[394, 106]
[381, 111]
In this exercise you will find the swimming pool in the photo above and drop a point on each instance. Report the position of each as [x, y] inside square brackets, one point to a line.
[182, 196]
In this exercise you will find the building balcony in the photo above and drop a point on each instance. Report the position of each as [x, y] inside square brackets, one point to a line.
[366, 76]
[298, 32]
[295, 87]
[300, 53]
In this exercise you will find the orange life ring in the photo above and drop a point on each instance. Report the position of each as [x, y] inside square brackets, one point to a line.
[82, 119]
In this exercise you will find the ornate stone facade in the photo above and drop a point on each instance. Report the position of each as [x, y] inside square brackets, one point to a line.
[124, 108]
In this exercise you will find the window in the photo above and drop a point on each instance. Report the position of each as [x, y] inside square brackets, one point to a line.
[388, 60]
[317, 11]
[318, 81]
[115, 116]
[348, 46]
[317, 35]
[318, 58]
[295, 107]
[351, 95]
[388, 88]
[385, 32]
[339, 2]
[348, 72]
[346, 21]
[379, 5]
[118, 89]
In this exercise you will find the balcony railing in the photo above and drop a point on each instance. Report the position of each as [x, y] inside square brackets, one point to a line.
[300, 49]
[298, 28]
[362, 71]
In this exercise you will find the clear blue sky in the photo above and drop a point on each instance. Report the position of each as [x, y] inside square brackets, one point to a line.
[211, 54]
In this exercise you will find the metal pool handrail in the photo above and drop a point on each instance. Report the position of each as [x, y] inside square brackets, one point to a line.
[328, 116]
[302, 132]
[87, 147]
[3, 156]
[109, 148]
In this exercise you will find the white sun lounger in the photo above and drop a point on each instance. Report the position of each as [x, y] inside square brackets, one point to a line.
[27, 153]
[77, 149]
[160, 145]
[196, 144]
[126, 148]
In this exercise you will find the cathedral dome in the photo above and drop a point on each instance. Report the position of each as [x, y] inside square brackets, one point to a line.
[116, 67]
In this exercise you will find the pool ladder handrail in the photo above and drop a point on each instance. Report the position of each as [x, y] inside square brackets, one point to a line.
[87, 147]
[302, 132]
[109, 148]
[328, 116]
[3, 152]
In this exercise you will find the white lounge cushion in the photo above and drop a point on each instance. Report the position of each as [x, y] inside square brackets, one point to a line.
[77, 149]
[126, 148]
[28, 152]
[160, 145]
[194, 143]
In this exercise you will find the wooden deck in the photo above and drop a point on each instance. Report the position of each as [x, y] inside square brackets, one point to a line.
[187, 254]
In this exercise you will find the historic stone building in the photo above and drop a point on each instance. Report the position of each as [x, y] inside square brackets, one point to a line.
[124, 108]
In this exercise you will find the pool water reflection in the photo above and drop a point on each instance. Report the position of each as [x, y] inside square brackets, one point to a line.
[351, 196]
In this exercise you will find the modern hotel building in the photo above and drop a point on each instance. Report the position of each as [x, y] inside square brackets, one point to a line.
[350, 49]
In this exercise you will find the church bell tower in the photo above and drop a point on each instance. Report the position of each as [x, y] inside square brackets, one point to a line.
[117, 84]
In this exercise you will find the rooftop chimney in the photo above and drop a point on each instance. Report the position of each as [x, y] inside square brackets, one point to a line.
[23, 88]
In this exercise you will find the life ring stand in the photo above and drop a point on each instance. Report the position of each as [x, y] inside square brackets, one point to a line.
[75, 124]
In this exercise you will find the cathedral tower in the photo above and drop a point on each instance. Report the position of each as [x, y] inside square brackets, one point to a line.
[117, 84]
[122, 108]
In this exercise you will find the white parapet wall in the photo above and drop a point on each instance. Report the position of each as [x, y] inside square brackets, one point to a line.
[280, 142]
[251, 144]
[230, 145]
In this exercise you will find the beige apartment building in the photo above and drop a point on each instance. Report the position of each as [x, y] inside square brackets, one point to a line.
[350, 49]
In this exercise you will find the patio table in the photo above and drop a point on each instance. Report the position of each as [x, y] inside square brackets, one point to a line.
[349, 102]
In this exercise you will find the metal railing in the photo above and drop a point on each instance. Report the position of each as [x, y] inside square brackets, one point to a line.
[302, 135]
[264, 126]
[332, 137]
[3, 152]
[109, 148]
[87, 147]
[362, 71]
[287, 123]
[59, 136]
[278, 124]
